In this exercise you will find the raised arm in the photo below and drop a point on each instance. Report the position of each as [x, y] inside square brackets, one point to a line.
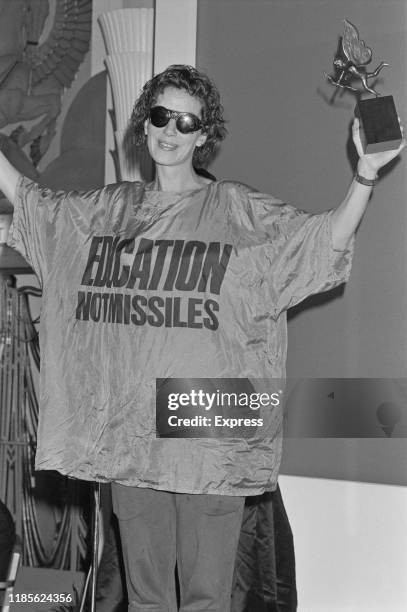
[8, 178]
[349, 213]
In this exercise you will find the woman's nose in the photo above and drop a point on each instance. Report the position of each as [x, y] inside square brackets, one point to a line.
[171, 127]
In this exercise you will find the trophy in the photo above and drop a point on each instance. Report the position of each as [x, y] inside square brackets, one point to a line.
[380, 128]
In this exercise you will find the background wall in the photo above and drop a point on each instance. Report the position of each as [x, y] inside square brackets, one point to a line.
[268, 59]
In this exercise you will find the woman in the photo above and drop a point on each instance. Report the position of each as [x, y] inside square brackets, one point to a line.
[186, 280]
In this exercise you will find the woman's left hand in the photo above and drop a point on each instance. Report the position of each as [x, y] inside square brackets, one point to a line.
[372, 162]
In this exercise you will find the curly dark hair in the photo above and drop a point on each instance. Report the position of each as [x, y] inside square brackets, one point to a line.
[196, 84]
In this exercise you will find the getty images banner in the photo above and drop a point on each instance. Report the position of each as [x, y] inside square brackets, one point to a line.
[309, 408]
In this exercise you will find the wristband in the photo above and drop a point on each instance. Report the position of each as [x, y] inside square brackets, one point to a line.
[364, 181]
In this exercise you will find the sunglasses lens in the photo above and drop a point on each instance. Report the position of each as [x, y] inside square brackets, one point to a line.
[159, 116]
[188, 123]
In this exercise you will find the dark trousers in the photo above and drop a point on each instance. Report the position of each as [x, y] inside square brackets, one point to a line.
[199, 533]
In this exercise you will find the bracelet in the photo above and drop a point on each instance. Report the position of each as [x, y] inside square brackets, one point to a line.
[364, 181]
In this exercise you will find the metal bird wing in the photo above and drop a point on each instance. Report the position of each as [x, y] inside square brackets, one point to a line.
[355, 50]
[66, 45]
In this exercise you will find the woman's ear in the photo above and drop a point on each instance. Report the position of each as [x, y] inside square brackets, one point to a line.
[201, 140]
[146, 127]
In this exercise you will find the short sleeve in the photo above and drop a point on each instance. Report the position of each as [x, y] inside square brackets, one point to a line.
[301, 258]
[43, 218]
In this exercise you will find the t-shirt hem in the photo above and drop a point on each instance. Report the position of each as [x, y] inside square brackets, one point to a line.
[225, 490]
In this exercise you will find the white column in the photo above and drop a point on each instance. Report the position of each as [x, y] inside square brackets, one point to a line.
[128, 36]
[98, 54]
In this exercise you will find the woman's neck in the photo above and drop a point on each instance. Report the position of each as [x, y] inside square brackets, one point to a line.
[173, 178]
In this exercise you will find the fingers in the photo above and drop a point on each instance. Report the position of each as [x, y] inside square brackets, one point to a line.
[403, 142]
[356, 136]
[401, 126]
[356, 130]
[355, 127]
[402, 145]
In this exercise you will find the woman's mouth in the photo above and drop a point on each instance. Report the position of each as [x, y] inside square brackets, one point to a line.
[167, 146]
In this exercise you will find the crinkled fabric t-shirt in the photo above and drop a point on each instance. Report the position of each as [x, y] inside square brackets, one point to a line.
[140, 284]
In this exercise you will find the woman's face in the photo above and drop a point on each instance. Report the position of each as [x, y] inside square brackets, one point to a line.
[167, 146]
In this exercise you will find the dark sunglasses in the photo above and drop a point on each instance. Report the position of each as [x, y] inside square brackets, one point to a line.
[186, 122]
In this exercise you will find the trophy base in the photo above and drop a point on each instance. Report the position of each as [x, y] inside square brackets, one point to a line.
[380, 128]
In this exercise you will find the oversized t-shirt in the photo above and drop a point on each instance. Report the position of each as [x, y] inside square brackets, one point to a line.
[140, 284]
